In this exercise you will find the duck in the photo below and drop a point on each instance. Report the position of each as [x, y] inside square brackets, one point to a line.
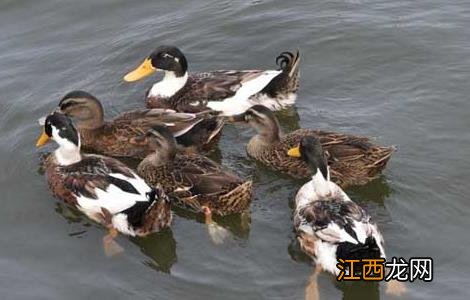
[354, 160]
[104, 189]
[328, 224]
[123, 135]
[194, 181]
[228, 92]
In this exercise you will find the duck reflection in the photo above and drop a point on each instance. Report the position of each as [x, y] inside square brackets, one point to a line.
[159, 247]
[376, 191]
[350, 289]
[289, 118]
[359, 290]
[237, 225]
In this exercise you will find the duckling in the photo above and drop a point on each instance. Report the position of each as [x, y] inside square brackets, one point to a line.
[194, 181]
[104, 189]
[226, 91]
[354, 160]
[119, 137]
[328, 224]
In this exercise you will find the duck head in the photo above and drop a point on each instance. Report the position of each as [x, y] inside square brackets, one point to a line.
[83, 107]
[263, 120]
[59, 128]
[165, 58]
[311, 151]
[161, 139]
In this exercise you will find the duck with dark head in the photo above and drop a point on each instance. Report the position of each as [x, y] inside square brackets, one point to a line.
[226, 91]
[104, 189]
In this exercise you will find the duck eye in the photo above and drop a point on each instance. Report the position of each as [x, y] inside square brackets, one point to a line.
[167, 55]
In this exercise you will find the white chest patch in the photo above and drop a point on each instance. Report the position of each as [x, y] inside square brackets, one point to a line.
[169, 85]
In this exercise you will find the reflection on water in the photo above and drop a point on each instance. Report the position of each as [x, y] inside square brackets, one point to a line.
[160, 247]
[375, 191]
[236, 224]
[351, 290]
[359, 290]
[289, 119]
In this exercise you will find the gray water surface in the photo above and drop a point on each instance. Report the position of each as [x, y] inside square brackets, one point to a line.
[393, 70]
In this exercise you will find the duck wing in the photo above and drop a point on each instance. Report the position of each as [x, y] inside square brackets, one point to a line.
[204, 176]
[335, 221]
[103, 182]
[144, 119]
[218, 85]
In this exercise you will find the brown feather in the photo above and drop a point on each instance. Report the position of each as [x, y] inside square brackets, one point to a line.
[195, 181]
[353, 160]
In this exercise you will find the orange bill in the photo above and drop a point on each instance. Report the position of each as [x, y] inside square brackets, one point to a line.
[42, 140]
[144, 70]
[294, 152]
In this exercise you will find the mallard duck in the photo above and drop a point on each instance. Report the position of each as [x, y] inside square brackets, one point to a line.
[354, 160]
[328, 224]
[228, 92]
[104, 189]
[194, 181]
[123, 136]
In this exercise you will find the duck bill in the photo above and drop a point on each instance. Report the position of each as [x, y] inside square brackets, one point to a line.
[42, 140]
[294, 152]
[145, 69]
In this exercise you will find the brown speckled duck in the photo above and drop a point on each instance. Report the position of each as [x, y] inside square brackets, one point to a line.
[104, 189]
[354, 160]
[124, 135]
[194, 181]
[226, 91]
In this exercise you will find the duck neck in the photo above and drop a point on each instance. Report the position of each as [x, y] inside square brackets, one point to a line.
[270, 133]
[169, 85]
[92, 116]
[90, 124]
[68, 154]
[320, 183]
[163, 157]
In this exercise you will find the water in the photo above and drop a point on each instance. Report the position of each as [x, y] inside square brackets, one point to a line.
[393, 70]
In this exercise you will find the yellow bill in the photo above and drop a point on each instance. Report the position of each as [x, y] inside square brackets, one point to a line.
[42, 140]
[294, 152]
[144, 70]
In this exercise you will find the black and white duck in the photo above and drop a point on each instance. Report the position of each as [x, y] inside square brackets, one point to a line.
[226, 91]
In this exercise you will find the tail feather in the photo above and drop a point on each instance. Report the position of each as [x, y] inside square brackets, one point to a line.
[367, 250]
[288, 81]
[204, 133]
[238, 200]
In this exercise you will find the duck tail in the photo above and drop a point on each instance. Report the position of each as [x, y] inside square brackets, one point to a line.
[283, 88]
[205, 133]
[289, 64]
[287, 82]
[151, 215]
[215, 130]
[384, 154]
[238, 200]
[367, 250]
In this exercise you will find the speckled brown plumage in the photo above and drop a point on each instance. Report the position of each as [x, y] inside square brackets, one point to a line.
[195, 181]
[124, 136]
[353, 160]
